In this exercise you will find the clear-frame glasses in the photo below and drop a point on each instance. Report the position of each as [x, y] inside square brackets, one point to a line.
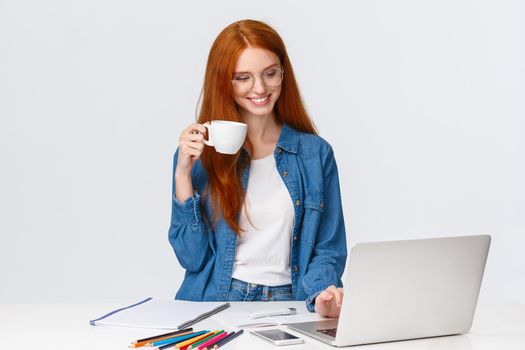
[271, 78]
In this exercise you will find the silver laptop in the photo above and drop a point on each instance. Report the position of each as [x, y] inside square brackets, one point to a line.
[406, 290]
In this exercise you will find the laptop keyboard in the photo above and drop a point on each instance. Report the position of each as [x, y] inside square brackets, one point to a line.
[329, 331]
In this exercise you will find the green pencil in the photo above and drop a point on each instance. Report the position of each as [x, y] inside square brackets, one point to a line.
[196, 345]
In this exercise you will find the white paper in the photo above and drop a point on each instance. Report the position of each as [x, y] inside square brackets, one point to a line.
[158, 314]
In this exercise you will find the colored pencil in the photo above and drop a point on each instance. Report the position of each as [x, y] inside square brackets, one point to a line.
[170, 346]
[195, 345]
[144, 341]
[227, 339]
[177, 339]
[193, 340]
[164, 335]
[170, 339]
[167, 346]
[209, 343]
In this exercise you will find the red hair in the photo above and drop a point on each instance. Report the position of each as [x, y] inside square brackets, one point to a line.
[225, 171]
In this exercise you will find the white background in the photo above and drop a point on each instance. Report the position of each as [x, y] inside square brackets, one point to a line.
[423, 102]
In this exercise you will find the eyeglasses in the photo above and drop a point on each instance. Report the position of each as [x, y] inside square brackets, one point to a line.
[271, 78]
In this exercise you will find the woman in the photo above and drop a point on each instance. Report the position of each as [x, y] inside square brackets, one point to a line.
[265, 223]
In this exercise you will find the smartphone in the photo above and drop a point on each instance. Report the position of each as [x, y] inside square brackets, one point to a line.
[278, 337]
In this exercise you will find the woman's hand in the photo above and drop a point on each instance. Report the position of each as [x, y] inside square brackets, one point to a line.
[328, 302]
[191, 145]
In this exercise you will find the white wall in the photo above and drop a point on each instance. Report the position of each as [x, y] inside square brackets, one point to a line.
[423, 103]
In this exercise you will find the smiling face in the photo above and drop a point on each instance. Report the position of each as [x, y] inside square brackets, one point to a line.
[260, 99]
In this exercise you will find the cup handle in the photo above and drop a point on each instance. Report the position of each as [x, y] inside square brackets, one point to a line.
[208, 142]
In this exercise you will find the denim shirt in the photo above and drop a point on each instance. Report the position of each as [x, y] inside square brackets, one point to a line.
[318, 252]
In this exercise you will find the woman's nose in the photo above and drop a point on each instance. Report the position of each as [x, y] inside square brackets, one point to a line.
[259, 87]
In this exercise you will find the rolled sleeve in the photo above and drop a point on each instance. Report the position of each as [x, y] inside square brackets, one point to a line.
[187, 212]
[310, 301]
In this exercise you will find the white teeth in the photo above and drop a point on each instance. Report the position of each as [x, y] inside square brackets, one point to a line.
[259, 100]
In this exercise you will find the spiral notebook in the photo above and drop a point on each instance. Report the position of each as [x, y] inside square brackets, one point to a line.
[160, 314]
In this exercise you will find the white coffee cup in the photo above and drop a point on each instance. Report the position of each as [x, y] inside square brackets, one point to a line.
[225, 136]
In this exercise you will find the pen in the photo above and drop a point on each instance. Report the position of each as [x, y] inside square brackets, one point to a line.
[227, 339]
[266, 313]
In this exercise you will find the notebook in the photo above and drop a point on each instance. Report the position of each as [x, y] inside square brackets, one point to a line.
[160, 314]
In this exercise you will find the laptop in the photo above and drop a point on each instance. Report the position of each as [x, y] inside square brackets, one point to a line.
[406, 290]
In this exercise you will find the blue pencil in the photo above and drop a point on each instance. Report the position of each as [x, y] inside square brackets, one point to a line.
[178, 339]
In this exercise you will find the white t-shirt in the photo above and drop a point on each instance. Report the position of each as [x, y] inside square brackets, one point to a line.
[263, 250]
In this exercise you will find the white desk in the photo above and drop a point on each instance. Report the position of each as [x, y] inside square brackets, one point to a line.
[65, 326]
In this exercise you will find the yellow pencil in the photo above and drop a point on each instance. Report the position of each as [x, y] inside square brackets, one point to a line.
[193, 340]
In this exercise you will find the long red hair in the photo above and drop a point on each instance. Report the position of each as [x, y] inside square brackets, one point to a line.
[225, 171]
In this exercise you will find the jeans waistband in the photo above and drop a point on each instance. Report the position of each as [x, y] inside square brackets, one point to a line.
[245, 291]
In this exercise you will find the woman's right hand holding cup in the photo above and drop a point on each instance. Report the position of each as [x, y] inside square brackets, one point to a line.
[191, 145]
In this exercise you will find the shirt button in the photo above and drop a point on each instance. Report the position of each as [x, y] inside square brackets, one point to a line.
[321, 204]
[295, 269]
[285, 174]
[295, 238]
[297, 202]
[279, 151]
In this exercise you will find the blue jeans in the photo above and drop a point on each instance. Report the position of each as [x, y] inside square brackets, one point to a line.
[244, 291]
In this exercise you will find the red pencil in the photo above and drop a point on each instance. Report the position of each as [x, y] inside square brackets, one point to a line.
[210, 343]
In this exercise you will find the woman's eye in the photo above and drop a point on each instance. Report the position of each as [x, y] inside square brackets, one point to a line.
[242, 78]
[270, 74]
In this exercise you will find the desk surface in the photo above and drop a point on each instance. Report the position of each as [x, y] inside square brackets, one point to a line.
[497, 325]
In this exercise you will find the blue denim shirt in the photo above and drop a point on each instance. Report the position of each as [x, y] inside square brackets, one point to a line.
[318, 252]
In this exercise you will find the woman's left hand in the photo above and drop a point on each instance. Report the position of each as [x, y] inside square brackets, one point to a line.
[328, 302]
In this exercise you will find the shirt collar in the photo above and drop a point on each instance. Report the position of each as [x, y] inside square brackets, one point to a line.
[289, 139]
